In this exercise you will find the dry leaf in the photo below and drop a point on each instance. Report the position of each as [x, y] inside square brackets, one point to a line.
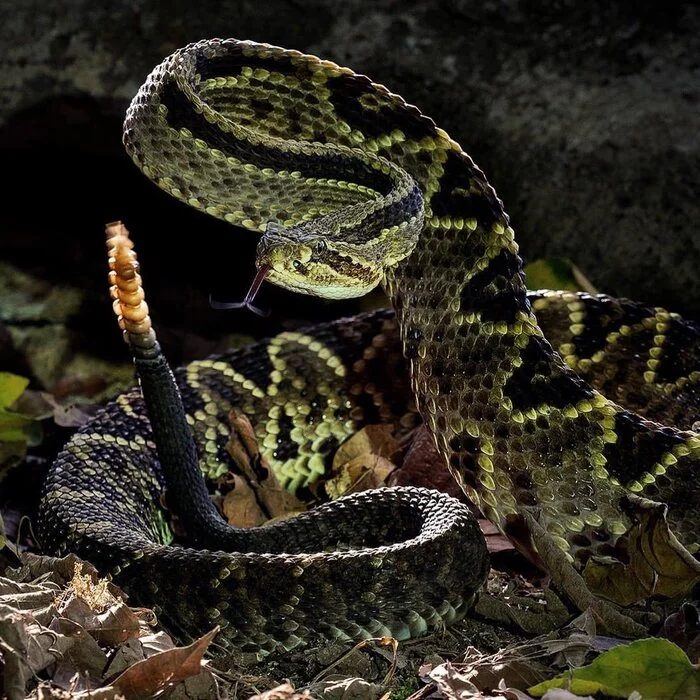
[113, 626]
[362, 462]
[360, 474]
[47, 692]
[423, 466]
[54, 625]
[70, 416]
[155, 673]
[283, 692]
[155, 643]
[273, 501]
[28, 647]
[83, 657]
[658, 563]
[372, 439]
[126, 655]
[27, 596]
[683, 628]
[495, 540]
[240, 507]
[455, 684]
[61, 571]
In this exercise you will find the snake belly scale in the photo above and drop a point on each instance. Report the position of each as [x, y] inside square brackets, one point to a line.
[352, 187]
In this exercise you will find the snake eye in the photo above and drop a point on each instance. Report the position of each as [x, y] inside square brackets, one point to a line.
[296, 264]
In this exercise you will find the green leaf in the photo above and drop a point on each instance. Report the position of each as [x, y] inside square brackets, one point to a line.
[10, 422]
[655, 668]
[12, 435]
[12, 386]
[556, 273]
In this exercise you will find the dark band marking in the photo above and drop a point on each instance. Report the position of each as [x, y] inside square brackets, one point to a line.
[232, 62]
[681, 352]
[343, 262]
[464, 449]
[604, 316]
[638, 446]
[458, 174]
[385, 217]
[261, 108]
[498, 291]
[334, 165]
[346, 91]
[539, 381]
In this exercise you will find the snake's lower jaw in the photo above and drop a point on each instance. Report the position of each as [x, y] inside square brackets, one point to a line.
[316, 288]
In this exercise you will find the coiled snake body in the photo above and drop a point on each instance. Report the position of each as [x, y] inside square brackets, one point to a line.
[352, 187]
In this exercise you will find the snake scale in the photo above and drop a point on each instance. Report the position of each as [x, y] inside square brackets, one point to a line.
[351, 187]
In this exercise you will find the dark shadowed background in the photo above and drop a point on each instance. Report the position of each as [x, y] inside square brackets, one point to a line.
[584, 116]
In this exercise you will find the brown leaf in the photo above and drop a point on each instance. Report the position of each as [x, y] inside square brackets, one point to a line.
[155, 643]
[70, 416]
[273, 501]
[423, 466]
[283, 692]
[659, 565]
[113, 626]
[84, 656]
[125, 655]
[26, 596]
[338, 687]
[362, 462]
[240, 507]
[116, 625]
[372, 439]
[683, 629]
[455, 684]
[45, 691]
[360, 474]
[61, 571]
[203, 685]
[155, 673]
[515, 669]
[495, 540]
[28, 646]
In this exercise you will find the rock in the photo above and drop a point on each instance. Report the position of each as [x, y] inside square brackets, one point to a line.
[585, 117]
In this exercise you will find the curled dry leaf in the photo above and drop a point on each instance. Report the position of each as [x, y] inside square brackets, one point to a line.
[111, 627]
[70, 416]
[659, 565]
[240, 506]
[157, 672]
[45, 691]
[363, 461]
[260, 495]
[283, 692]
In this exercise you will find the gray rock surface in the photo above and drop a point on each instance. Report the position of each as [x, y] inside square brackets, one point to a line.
[585, 116]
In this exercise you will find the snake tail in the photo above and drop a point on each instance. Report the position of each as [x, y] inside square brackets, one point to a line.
[186, 489]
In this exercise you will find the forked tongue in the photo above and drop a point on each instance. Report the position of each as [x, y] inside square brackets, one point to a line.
[247, 303]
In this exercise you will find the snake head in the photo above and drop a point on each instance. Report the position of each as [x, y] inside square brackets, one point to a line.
[311, 263]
